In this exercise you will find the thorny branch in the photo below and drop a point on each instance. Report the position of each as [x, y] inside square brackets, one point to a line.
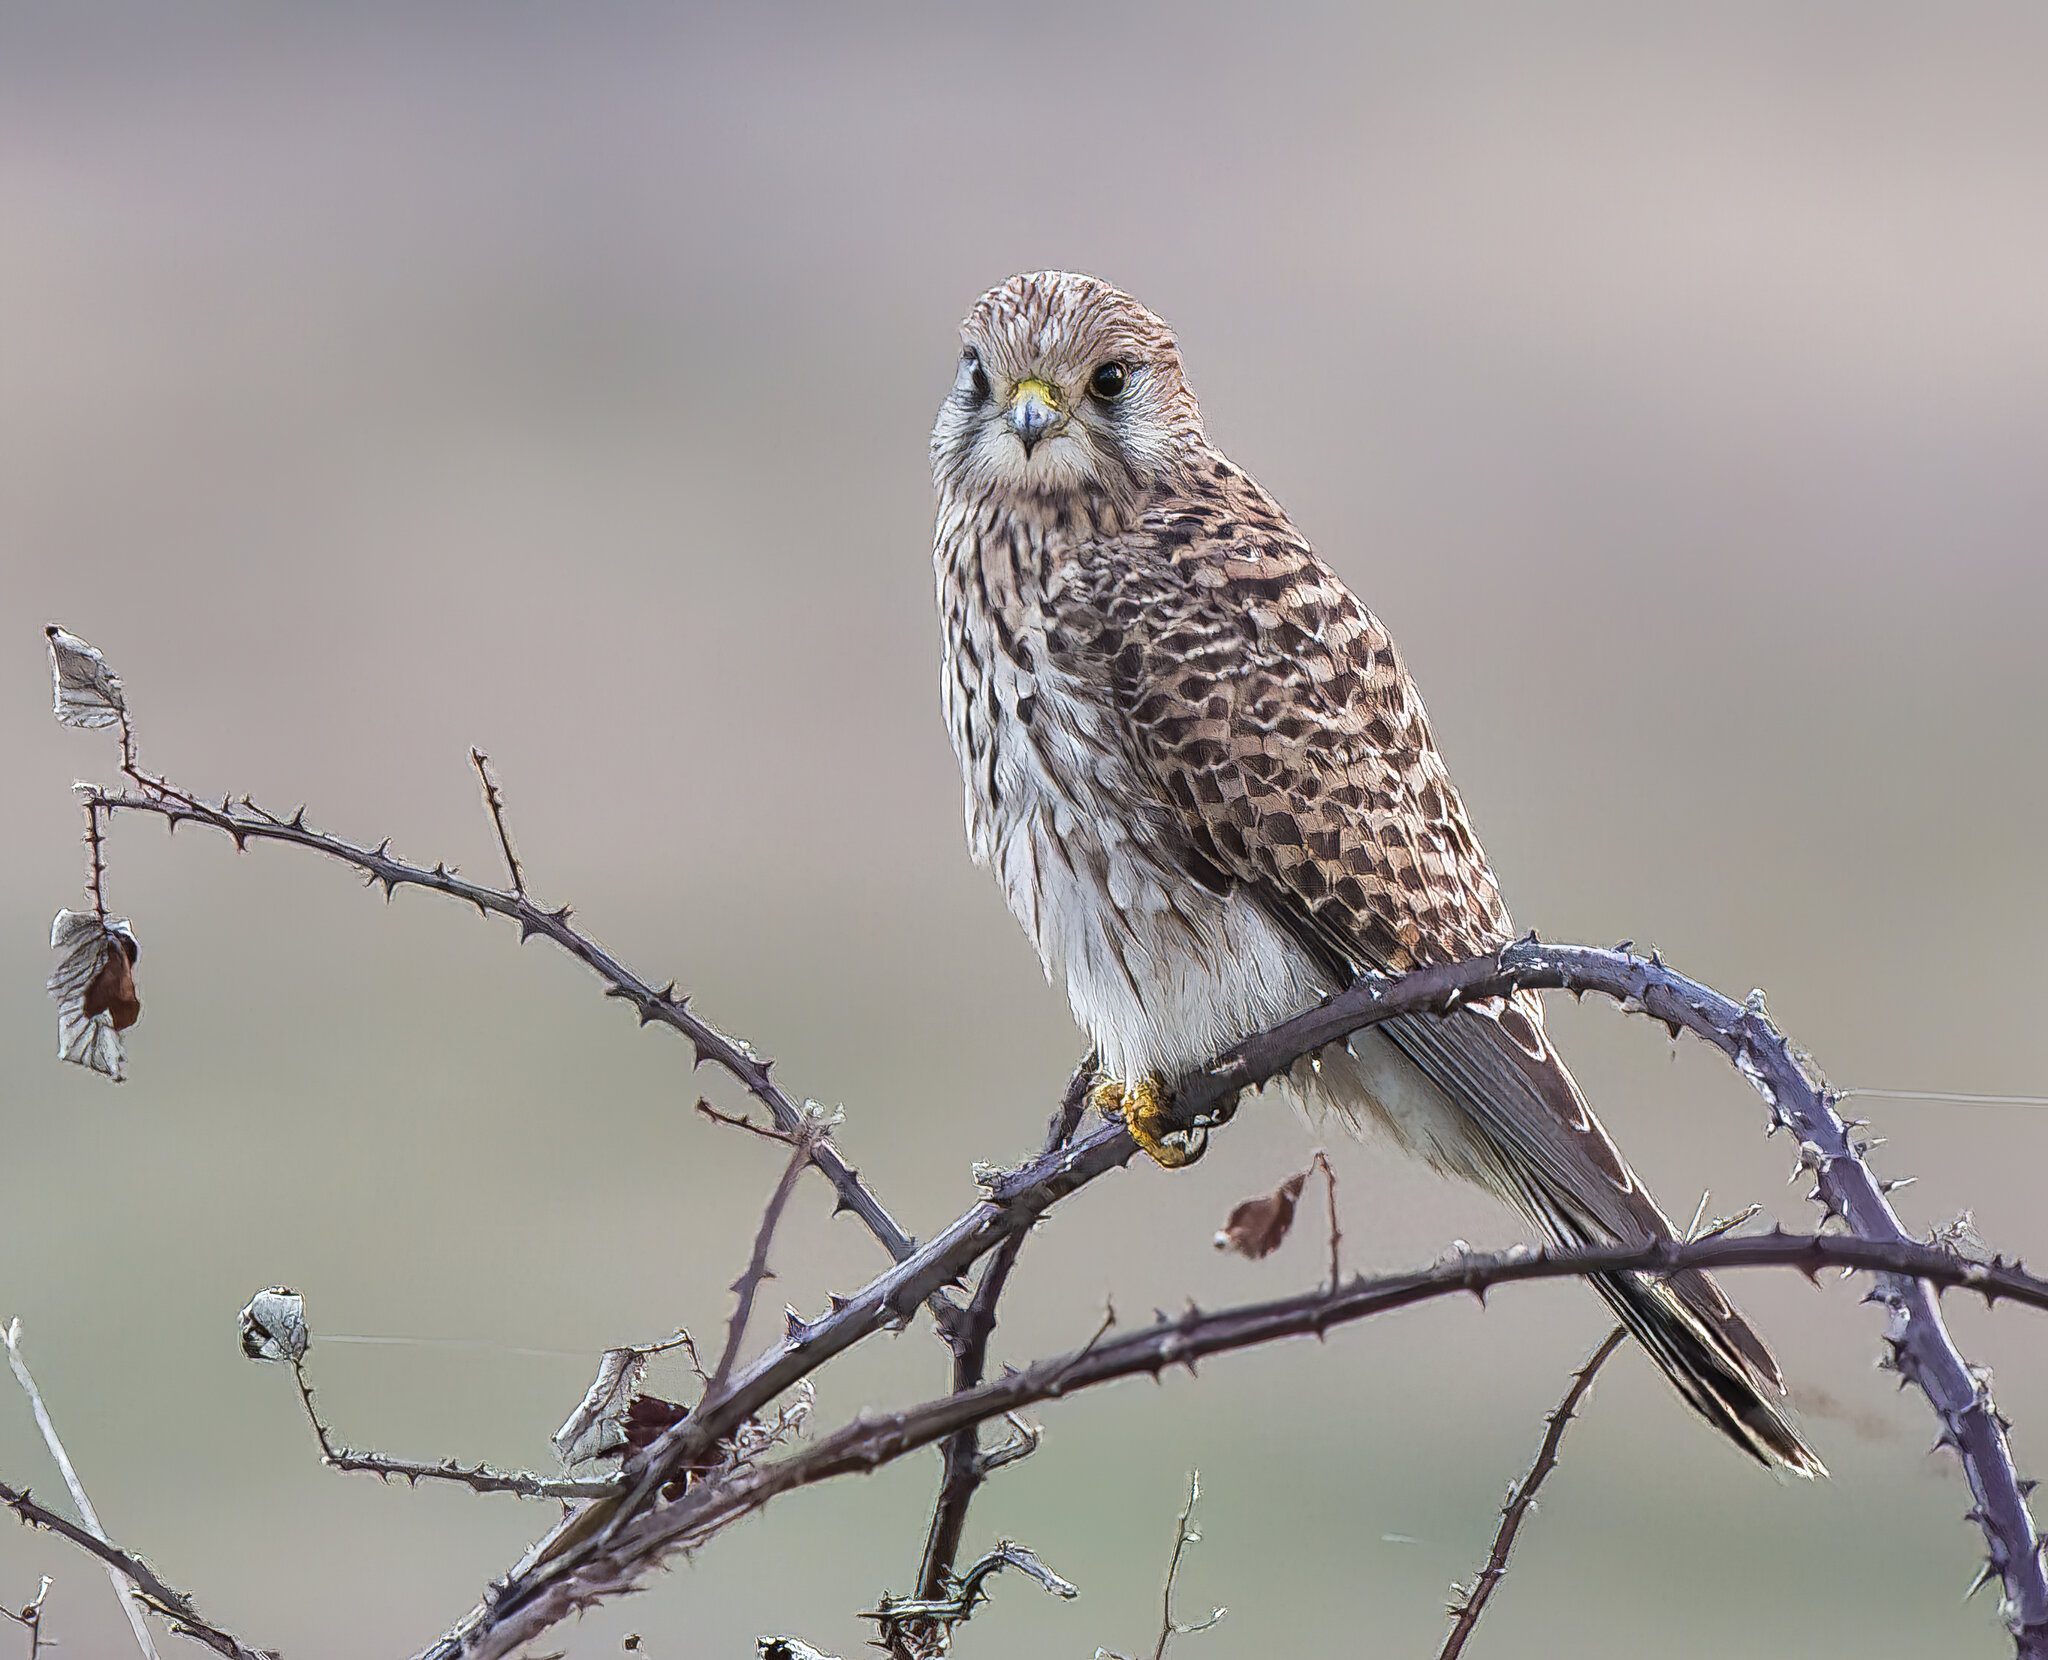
[245, 822]
[479, 1478]
[494, 804]
[1321, 1162]
[95, 859]
[174, 1605]
[740, 1121]
[747, 1288]
[1472, 1603]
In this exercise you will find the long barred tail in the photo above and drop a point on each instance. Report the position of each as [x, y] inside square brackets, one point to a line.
[1507, 1115]
[1717, 1362]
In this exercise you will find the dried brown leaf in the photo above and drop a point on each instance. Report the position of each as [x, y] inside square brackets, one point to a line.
[1256, 1227]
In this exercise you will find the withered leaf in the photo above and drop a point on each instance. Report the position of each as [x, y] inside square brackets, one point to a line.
[274, 1326]
[88, 693]
[94, 985]
[1257, 1226]
[598, 1425]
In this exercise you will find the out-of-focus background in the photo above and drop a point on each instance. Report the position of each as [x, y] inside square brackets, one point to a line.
[375, 383]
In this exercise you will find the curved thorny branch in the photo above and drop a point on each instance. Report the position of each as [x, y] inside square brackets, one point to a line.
[245, 822]
[724, 1457]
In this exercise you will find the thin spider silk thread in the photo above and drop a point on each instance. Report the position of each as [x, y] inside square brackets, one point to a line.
[487, 1343]
[453, 1343]
[1960, 1097]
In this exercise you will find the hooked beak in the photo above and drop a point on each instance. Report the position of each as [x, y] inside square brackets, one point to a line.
[1034, 412]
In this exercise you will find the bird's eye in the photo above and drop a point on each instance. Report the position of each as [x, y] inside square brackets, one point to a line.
[1109, 381]
[973, 378]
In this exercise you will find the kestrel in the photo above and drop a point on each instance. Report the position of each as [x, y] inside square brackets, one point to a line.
[1206, 783]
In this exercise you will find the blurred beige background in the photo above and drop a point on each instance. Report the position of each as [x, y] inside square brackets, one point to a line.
[557, 379]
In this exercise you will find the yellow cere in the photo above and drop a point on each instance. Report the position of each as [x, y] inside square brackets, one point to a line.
[1034, 388]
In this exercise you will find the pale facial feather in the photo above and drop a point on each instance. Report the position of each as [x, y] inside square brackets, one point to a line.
[1059, 328]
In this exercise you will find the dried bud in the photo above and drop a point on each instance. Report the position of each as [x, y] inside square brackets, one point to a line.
[1958, 1236]
[88, 693]
[94, 985]
[1257, 1226]
[274, 1326]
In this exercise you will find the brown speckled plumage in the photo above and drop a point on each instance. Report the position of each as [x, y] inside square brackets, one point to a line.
[1209, 790]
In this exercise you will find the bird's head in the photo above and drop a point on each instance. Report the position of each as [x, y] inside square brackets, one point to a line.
[1065, 386]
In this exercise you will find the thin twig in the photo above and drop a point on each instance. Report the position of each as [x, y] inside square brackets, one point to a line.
[124, 1588]
[739, 1121]
[1184, 1535]
[894, 1613]
[478, 1478]
[96, 858]
[1465, 1614]
[133, 770]
[494, 803]
[747, 1288]
[1321, 1162]
[30, 1618]
[687, 1344]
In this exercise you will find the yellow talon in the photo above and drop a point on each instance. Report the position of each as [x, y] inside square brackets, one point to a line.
[1147, 1111]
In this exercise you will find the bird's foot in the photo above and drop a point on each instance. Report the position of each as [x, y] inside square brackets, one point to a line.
[1146, 1108]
